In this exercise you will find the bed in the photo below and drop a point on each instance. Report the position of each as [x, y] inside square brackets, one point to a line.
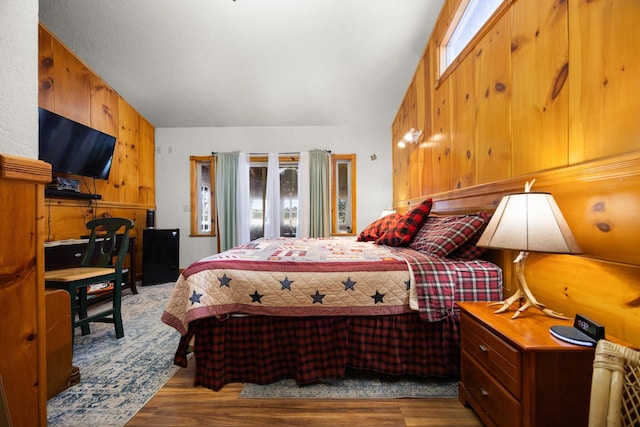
[310, 309]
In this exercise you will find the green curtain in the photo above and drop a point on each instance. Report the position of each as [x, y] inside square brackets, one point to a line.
[226, 202]
[319, 193]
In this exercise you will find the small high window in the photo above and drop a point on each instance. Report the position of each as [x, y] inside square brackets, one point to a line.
[469, 18]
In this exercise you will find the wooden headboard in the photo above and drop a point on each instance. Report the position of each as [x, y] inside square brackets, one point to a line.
[601, 203]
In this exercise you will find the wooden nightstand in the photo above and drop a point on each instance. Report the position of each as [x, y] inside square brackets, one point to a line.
[515, 374]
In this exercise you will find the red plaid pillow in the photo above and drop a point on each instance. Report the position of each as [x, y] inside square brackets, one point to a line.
[402, 231]
[378, 227]
[441, 235]
[469, 250]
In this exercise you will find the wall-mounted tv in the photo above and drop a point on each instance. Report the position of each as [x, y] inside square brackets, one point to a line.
[72, 147]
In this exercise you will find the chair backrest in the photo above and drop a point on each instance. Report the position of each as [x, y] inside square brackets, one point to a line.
[103, 240]
[615, 386]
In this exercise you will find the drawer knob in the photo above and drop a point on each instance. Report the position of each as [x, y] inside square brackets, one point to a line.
[483, 348]
[78, 255]
[484, 392]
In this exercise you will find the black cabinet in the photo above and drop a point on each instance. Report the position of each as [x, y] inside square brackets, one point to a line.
[160, 255]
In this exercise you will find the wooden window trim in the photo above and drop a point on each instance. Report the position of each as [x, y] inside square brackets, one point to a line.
[194, 161]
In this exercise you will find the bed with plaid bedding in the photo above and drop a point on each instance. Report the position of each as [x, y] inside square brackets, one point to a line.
[326, 277]
[403, 324]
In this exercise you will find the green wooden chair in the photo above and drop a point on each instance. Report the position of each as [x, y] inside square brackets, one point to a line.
[100, 264]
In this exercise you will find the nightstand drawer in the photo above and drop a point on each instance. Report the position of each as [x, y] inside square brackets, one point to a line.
[495, 355]
[497, 403]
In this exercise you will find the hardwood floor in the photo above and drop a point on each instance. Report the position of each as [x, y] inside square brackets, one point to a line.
[178, 403]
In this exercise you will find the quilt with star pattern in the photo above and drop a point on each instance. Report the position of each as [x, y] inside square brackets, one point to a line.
[310, 277]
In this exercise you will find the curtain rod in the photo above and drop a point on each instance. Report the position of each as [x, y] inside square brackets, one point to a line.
[286, 153]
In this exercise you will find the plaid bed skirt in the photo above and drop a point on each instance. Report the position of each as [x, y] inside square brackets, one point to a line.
[263, 350]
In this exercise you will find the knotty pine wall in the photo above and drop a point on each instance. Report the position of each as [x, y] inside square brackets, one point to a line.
[548, 90]
[69, 88]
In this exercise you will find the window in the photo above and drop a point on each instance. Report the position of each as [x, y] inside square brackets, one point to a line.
[343, 199]
[288, 196]
[343, 204]
[202, 200]
[470, 17]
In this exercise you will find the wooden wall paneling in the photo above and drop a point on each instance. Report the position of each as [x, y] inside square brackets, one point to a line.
[81, 95]
[401, 156]
[560, 133]
[604, 85]
[399, 191]
[72, 86]
[608, 293]
[46, 98]
[104, 106]
[66, 218]
[410, 120]
[540, 68]
[416, 118]
[146, 162]
[104, 117]
[127, 152]
[426, 150]
[493, 101]
[600, 201]
[463, 124]
[71, 89]
[441, 147]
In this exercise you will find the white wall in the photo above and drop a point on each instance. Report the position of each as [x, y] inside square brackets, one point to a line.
[19, 78]
[175, 145]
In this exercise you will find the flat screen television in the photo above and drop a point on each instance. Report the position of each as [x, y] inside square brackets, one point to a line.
[71, 147]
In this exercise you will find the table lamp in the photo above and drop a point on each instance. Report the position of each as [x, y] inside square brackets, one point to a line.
[528, 222]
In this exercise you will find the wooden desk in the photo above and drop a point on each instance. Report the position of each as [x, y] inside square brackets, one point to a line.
[68, 253]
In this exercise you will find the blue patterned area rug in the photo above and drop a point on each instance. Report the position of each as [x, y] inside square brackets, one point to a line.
[119, 376]
[355, 385]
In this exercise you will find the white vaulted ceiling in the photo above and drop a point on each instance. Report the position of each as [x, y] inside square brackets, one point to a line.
[191, 63]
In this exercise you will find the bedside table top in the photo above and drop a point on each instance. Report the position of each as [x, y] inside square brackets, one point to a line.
[530, 331]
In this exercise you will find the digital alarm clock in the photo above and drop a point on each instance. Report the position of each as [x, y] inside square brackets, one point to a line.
[584, 332]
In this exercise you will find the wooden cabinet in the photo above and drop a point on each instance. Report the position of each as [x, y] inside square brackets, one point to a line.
[22, 310]
[515, 374]
[60, 371]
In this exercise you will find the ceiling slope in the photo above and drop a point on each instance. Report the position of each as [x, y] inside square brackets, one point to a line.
[250, 62]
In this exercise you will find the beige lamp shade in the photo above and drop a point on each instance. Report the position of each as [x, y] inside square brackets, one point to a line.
[529, 222]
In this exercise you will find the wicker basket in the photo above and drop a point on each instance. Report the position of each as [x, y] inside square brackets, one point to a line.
[615, 388]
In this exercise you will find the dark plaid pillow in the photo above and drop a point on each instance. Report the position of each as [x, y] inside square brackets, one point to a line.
[402, 231]
[378, 227]
[441, 235]
[469, 250]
